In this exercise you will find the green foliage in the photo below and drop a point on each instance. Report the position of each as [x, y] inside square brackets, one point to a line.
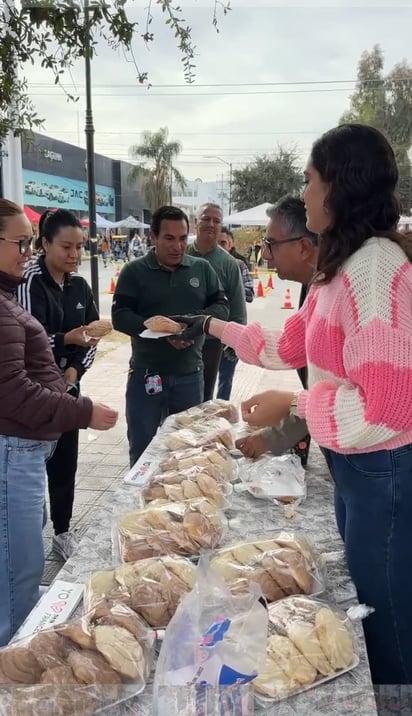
[156, 149]
[31, 33]
[267, 178]
[385, 102]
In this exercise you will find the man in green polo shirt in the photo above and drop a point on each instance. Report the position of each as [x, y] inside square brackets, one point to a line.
[208, 230]
[166, 375]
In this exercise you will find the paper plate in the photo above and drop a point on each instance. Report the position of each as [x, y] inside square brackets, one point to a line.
[152, 334]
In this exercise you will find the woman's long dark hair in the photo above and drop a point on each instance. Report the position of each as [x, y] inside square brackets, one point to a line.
[51, 222]
[359, 165]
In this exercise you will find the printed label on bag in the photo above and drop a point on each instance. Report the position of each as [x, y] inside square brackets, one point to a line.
[55, 607]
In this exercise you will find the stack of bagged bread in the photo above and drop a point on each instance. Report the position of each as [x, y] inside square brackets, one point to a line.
[309, 642]
[182, 528]
[216, 408]
[201, 432]
[77, 667]
[212, 455]
[151, 587]
[192, 483]
[281, 566]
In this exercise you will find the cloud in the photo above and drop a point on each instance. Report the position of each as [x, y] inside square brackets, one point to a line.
[265, 43]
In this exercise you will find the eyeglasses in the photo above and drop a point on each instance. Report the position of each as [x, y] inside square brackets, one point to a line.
[24, 244]
[272, 243]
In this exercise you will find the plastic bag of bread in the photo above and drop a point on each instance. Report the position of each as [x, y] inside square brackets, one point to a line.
[216, 408]
[151, 587]
[201, 432]
[211, 454]
[189, 484]
[78, 667]
[287, 564]
[215, 639]
[182, 528]
[309, 642]
[274, 478]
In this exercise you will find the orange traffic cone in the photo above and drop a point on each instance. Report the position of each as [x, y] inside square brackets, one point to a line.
[270, 282]
[112, 288]
[260, 293]
[287, 303]
[255, 272]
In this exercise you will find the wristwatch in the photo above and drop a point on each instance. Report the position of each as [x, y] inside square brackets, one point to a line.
[293, 407]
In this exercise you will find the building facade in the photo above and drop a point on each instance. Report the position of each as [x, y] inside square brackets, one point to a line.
[54, 176]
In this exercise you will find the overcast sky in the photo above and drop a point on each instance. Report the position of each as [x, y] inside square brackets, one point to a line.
[266, 43]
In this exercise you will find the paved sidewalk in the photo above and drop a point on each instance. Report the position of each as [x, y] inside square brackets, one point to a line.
[103, 457]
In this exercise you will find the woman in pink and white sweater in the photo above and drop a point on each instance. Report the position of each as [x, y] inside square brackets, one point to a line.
[354, 332]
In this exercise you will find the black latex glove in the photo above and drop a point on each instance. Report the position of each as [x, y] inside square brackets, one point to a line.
[230, 354]
[196, 326]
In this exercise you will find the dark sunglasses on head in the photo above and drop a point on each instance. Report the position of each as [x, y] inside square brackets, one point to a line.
[24, 244]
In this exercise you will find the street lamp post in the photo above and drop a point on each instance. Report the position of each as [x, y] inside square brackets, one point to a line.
[91, 184]
[230, 165]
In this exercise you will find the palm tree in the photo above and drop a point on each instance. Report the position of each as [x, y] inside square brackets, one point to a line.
[157, 178]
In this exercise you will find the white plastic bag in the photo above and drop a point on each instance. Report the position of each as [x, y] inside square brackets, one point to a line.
[215, 640]
[274, 478]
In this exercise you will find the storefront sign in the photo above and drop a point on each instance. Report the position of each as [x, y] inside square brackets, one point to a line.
[47, 190]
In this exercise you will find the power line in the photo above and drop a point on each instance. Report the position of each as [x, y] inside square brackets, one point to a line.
[200, 94]
[233, 84]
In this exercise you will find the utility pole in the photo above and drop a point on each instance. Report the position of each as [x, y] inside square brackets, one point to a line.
[91, 183]
[230, 165]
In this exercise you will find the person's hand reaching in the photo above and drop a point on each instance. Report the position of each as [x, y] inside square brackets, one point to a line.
[196, 326]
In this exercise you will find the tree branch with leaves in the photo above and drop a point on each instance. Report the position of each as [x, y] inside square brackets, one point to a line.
[52, 33]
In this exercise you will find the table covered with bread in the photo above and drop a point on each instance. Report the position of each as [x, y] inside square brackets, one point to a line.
[192, 495]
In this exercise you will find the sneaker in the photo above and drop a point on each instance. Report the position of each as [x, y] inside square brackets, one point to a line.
[65, 544]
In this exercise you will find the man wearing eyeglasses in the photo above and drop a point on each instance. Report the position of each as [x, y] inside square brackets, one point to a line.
[293, 251]
[208, 230]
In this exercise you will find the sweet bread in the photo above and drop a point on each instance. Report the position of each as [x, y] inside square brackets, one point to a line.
[291, 660]
[121, 650]
[334, 639]
[78, 633]
[59, 675]
[49, 648]
[304, 637]
[90, 667]
[161, 324]
[100, 328]
[19, 664]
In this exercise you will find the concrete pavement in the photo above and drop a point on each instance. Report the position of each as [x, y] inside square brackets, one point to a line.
[103, 458]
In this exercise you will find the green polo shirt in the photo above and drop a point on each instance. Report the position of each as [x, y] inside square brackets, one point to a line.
[229, 275]
[145, 289]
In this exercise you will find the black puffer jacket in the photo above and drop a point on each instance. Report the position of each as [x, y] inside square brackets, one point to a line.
[33, 399]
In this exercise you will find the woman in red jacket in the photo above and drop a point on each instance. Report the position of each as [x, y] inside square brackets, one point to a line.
[35, 410]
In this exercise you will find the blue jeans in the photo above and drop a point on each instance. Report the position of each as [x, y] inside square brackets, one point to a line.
[226, 372]
[373, 504]
[144, 413]
[22, 490]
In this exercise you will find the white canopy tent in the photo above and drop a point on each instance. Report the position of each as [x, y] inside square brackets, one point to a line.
[101, 222]
[131, 223]
[256, 216]
[404, 220]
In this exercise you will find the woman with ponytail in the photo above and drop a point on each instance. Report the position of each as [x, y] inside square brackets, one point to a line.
[63, 303]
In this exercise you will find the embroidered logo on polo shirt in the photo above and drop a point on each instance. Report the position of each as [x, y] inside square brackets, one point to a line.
[79, 305]
[194, 282]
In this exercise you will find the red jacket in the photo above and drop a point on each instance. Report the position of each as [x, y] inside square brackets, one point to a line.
[33, 399]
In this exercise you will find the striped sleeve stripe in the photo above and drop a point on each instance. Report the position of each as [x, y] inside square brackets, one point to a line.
[24, 294]
[89, 357]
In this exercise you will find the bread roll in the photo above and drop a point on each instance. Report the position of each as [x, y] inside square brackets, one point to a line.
[121, 650]
[334, 638]
[272, 681]
[161, 324]
[304, 637]
[19, 664]
[100, 328]
[90, 667]
[290, 660]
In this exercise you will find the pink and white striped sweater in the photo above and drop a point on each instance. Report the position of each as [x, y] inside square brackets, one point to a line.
[355, 335]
